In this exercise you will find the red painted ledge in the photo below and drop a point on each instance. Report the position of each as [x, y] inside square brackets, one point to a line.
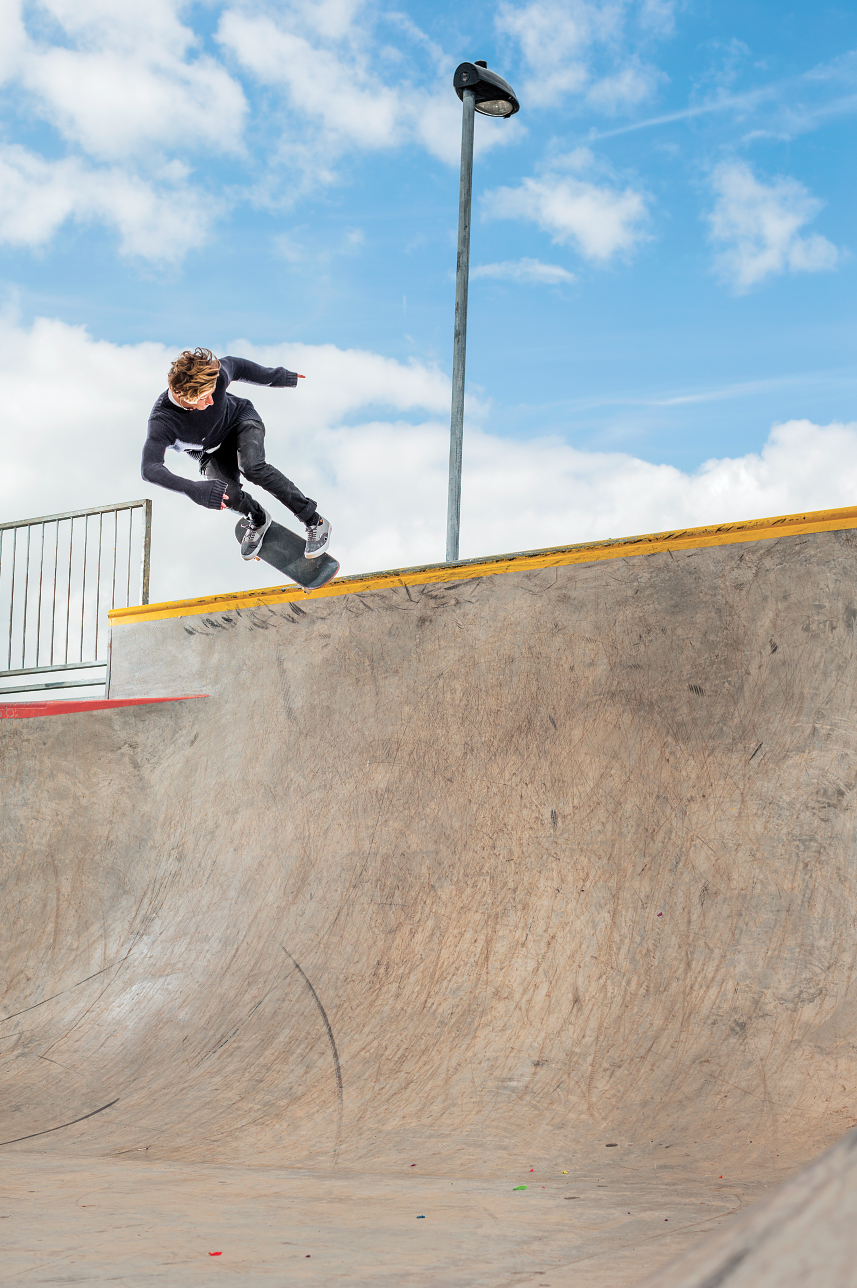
[64, 707]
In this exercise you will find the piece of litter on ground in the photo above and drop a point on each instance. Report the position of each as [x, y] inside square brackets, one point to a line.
[413, 1164]
[660, 914]
[215, 1254]
[563, 1173]
[421, 1218]
[532, 1169]
[519, 1187]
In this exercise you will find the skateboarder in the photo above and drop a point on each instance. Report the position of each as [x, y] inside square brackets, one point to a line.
[225, 434]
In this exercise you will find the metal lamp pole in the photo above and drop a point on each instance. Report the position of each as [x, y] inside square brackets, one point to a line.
[459, 350]
[480, 90]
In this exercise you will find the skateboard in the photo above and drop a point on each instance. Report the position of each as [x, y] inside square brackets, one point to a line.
[284, 550]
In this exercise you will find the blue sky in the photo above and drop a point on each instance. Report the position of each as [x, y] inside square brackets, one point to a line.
[663, 255]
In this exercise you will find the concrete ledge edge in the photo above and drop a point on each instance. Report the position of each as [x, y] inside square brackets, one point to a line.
[489, 565]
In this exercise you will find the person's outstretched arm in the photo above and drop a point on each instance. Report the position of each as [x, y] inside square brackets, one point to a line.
[253, 374]
[208, 493]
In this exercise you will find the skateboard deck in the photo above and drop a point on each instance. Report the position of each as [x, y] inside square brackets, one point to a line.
[284, 550]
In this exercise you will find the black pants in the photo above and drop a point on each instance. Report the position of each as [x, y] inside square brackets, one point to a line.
[243, 452]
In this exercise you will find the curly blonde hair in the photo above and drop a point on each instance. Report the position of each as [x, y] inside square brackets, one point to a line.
[193, 374]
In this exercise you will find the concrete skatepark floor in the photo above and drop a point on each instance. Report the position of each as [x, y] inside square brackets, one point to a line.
[91, 1220]
[545, 865]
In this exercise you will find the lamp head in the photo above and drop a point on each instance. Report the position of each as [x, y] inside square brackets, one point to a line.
[494, 96]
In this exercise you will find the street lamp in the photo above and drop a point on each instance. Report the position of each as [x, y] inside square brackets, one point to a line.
[485, 92]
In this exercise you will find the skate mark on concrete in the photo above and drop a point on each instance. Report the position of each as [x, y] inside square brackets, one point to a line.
[48, 1130]
[231, 1035]
[53, 995]
[336, 1067]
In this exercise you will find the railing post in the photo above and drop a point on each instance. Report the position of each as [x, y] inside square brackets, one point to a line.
[147, 552]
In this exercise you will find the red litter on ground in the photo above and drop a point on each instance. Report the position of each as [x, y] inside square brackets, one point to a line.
[215, 1254]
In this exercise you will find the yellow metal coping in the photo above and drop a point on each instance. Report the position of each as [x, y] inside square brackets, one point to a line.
[685, 539]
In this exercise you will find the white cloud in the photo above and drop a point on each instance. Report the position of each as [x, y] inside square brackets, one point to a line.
[586, 47]
[38, 196]
[368, 438]
[123, 80]
[332, 82]
[341, 93]
[758, 226]
[115, 107]
[632, 84]
[331, 19]
[14, 37]
[524, 270]
[555, 40]
[346, 381]
[601, 220]
[658, 16]
[524, 495]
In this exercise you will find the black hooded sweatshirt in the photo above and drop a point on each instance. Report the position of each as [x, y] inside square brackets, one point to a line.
[186, 431]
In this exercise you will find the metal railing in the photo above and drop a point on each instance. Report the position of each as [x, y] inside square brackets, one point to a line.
[58, 577]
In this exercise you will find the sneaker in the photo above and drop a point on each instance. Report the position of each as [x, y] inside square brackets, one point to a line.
[317, 538]
[253, 537]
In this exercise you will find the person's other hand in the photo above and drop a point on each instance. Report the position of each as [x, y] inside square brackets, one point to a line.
[223, 504]
[300, 377]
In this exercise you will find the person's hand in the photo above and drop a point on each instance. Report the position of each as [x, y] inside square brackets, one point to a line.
[223, 504]
[300, 377]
